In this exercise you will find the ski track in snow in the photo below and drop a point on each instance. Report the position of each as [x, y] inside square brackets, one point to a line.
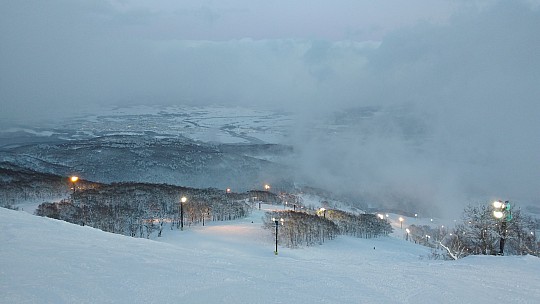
[49, 261]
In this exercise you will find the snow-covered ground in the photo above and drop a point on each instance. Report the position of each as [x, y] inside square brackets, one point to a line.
[49, 261]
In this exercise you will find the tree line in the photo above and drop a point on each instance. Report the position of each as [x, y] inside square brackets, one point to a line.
[20, 185]
[308, 228]
[364, 225]
[141, 209]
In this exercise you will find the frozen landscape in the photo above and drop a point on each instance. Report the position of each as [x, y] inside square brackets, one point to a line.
[146, 148]
[50, 261]
[217, 124]
[190, 146]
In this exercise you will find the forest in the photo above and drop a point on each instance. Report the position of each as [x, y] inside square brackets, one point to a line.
[144, 210]
[141, 209]
[310, 227]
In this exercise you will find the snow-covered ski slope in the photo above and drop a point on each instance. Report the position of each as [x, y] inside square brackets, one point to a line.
[48, 261]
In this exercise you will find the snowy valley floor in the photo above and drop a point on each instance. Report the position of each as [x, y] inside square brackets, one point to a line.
[49, 261]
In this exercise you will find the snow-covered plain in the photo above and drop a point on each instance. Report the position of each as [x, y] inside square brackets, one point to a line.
[208, 124]
[48, 261]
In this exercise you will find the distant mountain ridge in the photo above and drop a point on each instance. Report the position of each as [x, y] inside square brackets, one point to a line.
[143, 158]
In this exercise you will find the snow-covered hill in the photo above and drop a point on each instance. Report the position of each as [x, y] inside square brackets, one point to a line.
[141, 158]
[49, 261]
[195, 147]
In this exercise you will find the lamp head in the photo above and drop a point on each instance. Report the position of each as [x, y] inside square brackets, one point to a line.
[498, 204]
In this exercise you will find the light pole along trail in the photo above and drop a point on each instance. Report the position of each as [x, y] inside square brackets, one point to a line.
[182, 201]
[503, 213]
[74, 179]
[276, 221]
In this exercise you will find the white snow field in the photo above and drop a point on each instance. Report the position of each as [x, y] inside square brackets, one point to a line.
[48, 261]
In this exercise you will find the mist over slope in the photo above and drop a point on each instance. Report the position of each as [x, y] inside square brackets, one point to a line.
[378, 156]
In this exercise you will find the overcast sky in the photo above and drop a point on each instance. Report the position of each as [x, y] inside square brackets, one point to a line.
[466, 73]
[57, 53]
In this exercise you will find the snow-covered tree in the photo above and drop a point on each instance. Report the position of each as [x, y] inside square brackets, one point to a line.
[481, 233]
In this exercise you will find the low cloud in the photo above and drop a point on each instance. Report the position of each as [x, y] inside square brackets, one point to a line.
[456, 117]
[435, 113]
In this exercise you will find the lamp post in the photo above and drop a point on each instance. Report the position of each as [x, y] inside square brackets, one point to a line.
[267, 187]
[408, 231]
[182, 201]
[401, 222]
[503, 213]
[203, 214]
[276, 221]
[74, 179]
[533, 235]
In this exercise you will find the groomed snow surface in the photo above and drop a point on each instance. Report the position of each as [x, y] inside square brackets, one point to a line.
[48, 261]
